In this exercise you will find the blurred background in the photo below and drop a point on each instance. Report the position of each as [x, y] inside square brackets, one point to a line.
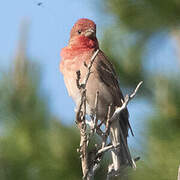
[38, 136]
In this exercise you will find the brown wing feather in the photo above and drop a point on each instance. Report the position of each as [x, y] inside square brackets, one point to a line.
[108, 76]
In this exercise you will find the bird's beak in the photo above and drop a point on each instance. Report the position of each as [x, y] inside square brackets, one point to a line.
[90, 33]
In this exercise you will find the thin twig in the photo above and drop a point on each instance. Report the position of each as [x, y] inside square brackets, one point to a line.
[178, 173]
[136, 90]
[96, 109]
[125, 102]
[89, 68]
[104, 149]
[106, 134]
[78, 73]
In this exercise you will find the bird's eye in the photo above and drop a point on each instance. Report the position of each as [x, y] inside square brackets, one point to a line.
[79, 31]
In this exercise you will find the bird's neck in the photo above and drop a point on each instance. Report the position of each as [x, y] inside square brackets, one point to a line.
[71, 52]
[83, 43]
[79, 47]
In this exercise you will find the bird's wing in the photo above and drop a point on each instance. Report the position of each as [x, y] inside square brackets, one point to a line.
[108, 76]
[118, 130]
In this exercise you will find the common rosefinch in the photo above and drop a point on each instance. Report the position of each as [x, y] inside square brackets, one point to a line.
[82, 45]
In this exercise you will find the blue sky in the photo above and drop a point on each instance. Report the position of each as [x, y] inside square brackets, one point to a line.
[49, 27]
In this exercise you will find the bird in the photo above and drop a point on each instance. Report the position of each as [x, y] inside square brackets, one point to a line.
[82, 45]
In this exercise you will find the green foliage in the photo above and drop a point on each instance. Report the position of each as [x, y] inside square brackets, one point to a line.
[34, 144]
[125, 42]
[146, 15]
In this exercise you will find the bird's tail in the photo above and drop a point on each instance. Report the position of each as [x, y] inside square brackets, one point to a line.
[121, 155]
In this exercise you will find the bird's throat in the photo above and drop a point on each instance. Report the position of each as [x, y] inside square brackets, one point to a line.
[83, 42]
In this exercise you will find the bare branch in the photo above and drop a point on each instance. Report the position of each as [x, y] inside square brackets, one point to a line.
[89, 68]
[136, 90]
[125, 102]
[178, 174]
[78, 73]
[96, 109]
[106, 148]
[80, 119]
[106, 134]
